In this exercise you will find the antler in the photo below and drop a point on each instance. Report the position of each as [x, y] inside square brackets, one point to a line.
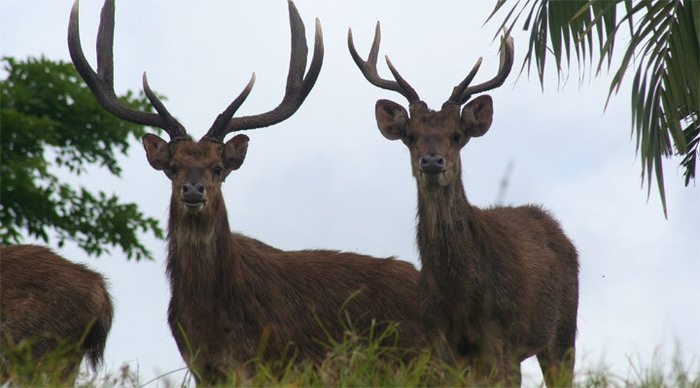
[369, 68]
[102, 83]
[463, 92]
[298, 85]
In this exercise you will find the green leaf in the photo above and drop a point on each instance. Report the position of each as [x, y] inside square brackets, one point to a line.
[664, 49]
[50, 119]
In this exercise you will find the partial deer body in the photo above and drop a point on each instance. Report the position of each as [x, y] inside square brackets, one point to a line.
[234, 297]
[230, 291]
[497, 285]
[56, 304]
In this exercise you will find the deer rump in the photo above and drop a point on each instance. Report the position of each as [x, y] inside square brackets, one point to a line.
[54, 303]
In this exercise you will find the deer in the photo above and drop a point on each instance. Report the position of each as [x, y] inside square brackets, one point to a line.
[499, 284]
[61, 310]
[233, 297]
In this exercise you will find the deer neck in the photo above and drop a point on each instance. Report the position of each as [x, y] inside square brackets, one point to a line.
[449, 234]
[200, 253]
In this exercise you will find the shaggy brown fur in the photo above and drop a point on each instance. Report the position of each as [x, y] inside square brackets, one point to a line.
[497, 285]
[233, 295]
[53, 302]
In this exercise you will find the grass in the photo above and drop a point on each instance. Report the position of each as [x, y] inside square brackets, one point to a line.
[354, 362]
[18, 362]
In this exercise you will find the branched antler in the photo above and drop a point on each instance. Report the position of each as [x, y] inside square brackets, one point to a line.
[298, 85]
[463, 92]
[369, 68]
[101, 83]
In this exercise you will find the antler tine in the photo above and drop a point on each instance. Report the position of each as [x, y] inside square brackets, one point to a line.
[506, 64]
[457, 91]
[410, 94]
[369, 68]
[298, 85]
[218, 129]
[105, 43]
[101, 83]
[176, 130]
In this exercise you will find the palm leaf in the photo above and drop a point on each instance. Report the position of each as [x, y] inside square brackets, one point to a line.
[663, 49]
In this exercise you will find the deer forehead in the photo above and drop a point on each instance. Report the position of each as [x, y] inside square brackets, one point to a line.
[189, 152]
[443, 121]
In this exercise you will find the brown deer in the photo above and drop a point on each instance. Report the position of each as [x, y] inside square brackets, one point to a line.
[234, 297]
[61, 308]
[497, 285]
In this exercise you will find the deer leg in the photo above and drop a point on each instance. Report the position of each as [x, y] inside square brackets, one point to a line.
[482, 371]
[436, 326]
[441, 347]
[557, 359]
[548, 366]
[565, 352]
[495, 367]
[514, 375]
[557, 364]
[509, 369]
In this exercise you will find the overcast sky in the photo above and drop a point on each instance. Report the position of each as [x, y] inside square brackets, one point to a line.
[326, 178]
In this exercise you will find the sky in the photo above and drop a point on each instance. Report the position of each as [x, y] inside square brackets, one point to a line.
[326, 178]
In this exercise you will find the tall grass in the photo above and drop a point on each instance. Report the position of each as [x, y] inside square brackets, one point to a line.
[19, 362]
[357, 361]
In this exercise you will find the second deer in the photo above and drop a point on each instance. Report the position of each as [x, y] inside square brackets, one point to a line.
[497, 285]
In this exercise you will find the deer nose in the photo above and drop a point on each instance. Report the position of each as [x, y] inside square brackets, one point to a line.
[193, 192]
[432, 164]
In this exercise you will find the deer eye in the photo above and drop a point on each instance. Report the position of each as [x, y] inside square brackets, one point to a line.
[218, 170]
[411, 138]
[173, 169]
[457, 137]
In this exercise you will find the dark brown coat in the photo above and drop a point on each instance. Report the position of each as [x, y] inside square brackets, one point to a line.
[234, 297]
[497, 285]
[53, 302]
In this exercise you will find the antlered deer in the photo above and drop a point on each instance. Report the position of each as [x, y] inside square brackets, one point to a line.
[497, 285]
[228, 291]
[57, 305]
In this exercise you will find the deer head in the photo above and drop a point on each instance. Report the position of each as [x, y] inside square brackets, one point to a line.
[196, 169]
[434, 138]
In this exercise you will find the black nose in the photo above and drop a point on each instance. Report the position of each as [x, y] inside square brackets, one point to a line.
[193, 192]
[432, 164]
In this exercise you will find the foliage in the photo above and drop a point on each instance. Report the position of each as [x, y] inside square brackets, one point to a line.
[664, 36]
[350, 364]
[364, 362]
[19, 364]
[50, 120]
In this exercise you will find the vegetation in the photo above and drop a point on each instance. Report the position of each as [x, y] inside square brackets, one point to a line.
[18, 363]
[51, 121]
[664, 47]
[359, 362]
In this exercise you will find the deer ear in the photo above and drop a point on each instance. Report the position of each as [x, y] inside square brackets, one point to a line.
[477, 116]
[234, 152]
[157, 151]
[392, 119]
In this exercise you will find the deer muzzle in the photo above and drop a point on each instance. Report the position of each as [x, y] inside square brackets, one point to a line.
[432, 164]
[193, 196]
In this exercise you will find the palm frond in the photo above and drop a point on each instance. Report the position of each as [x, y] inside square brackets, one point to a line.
[663, 49]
